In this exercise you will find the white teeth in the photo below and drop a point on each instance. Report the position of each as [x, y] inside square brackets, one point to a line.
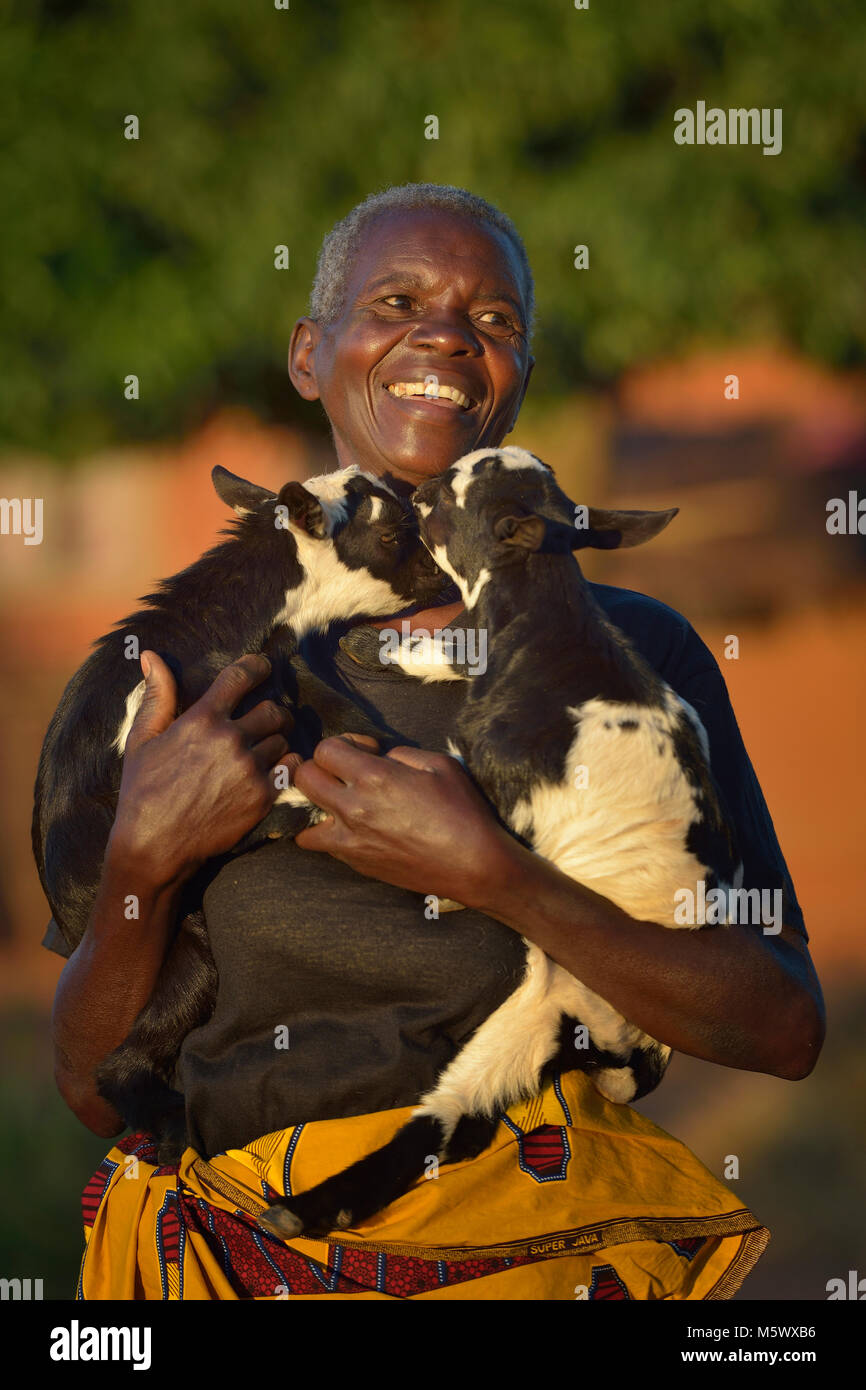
[430, 389]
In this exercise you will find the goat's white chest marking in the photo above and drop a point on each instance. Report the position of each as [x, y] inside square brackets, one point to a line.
[469, 595]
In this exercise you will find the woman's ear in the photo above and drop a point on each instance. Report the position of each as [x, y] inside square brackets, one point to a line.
[302, 358]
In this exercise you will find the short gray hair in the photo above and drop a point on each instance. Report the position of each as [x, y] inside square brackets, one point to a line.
[341, 245]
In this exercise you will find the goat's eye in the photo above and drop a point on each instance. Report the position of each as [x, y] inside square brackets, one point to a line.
[388, 537]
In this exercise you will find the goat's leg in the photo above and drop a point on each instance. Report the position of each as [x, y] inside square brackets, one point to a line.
[431, 659]
[623, 1071]
[137, 1077]
[291, 813]
[358, 1192]
[501, 1063]
[323, 710]
[350, 1197]
[506, 1060]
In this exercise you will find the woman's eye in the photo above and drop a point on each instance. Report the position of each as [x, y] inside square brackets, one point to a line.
[494, 318]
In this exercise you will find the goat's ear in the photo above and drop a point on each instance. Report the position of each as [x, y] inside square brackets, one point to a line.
[237, 492]
[612, 530]
[526, 531]
[305, 511]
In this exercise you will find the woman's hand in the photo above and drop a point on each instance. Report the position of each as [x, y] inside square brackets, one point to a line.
[192, 785]
[412, 818]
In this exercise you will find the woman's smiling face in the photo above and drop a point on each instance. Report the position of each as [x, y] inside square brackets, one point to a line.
[435, 302]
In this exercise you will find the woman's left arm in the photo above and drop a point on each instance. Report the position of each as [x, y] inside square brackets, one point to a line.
[730, 995]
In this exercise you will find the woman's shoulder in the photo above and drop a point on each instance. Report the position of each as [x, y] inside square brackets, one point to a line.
[664, 637]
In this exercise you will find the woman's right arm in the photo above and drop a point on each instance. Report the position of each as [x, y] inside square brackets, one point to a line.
[191, 787]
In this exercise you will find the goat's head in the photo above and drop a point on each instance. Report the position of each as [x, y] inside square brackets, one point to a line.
[496, 507]
[349, 525]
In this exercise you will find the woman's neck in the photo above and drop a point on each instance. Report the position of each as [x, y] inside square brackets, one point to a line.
[429, 618]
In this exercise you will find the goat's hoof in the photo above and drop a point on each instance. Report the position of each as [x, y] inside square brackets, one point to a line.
[362, 645]
[171, 1144]
[280, 1222]
[344, 1220]
[449, 905]
[472, 1135]
[168, 1155]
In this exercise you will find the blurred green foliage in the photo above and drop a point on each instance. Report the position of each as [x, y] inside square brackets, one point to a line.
[46, 1157]
[261, 126]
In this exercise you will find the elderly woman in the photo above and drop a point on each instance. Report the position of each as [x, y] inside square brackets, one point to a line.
[339, 1001]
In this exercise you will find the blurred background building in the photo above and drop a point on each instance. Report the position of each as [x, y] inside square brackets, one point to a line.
[156, 256]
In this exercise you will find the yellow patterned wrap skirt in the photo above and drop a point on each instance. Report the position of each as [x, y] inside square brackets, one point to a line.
[576, 1198]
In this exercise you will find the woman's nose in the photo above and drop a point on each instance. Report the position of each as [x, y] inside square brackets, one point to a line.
[447, 332]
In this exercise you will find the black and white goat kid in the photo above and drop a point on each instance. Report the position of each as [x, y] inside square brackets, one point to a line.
[335, 547]
[590, 759]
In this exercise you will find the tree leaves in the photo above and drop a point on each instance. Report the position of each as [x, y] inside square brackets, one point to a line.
[261, 127]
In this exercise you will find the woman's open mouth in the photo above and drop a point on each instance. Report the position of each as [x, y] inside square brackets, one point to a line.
[436, 393]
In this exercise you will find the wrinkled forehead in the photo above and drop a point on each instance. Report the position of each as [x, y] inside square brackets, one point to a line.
[474, 477]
